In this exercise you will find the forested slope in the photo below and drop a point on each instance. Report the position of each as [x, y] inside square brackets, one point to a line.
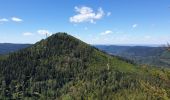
[63, 67]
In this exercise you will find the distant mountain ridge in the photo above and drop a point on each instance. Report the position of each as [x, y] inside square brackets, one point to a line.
[157, 56]
[6, 48]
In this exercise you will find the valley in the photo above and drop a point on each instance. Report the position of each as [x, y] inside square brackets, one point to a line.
[153, 56]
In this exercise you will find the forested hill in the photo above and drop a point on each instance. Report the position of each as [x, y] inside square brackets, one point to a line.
[6, 48]
[62, 67]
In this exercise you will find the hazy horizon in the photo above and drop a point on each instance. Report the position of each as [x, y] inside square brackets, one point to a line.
[147, 45]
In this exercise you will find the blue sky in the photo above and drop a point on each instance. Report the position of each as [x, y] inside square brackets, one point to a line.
[93, 21]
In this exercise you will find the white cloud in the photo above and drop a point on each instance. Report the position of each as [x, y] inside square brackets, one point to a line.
[44, 32]
[134, 25]
[15, 19]
[4, 20]
[106, 32]
[28, 34]
[109, 13]
[86, 14]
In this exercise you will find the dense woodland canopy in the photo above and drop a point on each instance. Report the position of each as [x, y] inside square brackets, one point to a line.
[63, 67]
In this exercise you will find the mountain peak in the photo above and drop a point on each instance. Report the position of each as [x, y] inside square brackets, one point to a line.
[60, 34]
[63, 67]
[62, 37]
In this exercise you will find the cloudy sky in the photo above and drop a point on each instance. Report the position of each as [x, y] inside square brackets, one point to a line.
[93, 21]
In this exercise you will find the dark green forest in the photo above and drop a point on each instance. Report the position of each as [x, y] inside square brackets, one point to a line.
[62, 67]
